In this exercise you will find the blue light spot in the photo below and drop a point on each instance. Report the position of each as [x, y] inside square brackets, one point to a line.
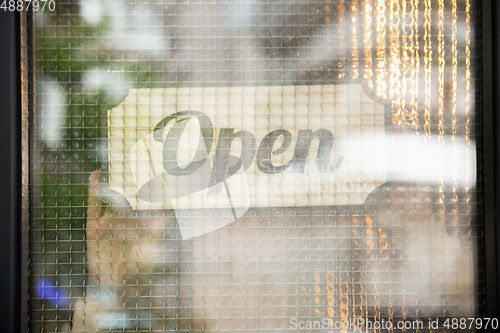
[56, 296]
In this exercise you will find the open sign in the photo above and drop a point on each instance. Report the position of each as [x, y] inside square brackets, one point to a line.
[286, 143]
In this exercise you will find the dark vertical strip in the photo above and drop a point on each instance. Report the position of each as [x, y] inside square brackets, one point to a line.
[27, 135]
[490, 150]
[10, 171]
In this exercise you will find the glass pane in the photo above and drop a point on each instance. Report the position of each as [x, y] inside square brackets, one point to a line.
[255, 166]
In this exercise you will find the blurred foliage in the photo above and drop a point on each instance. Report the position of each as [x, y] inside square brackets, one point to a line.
[66, 49]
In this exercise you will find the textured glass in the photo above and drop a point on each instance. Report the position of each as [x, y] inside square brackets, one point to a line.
[255, 166]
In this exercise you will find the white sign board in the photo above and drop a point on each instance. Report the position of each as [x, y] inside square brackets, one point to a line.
[240, 147]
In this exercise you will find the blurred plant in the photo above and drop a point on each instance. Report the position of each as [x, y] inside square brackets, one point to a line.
[79, 76]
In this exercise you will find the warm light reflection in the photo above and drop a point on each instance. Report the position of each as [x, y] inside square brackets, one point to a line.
[397, 73]
[372, 287]
[356, 268]
[454, 67]
[454, 102]
[427, 64]
[468, 173]
[331, 291]
[395, 93]
[344, 292]
[441, 101]
[342, 58]
[416, 65]
[381, 71]
[407, 67]
[317, 290]
[367, 42]
[409, 13]
[354, 39]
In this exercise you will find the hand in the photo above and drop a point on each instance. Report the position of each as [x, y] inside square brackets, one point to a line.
[122, 254]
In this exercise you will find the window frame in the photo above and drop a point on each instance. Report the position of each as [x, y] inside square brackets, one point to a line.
[490, 123]
[10, 168]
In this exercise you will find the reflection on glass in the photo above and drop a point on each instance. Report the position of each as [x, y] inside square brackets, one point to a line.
[254, 166]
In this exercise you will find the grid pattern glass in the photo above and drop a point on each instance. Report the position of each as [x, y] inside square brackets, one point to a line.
[255, 166]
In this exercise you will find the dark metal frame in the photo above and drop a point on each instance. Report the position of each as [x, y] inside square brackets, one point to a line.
[11, 172]
[14, 163]
[490, 100]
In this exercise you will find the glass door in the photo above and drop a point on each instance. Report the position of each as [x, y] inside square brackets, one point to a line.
[256, 166]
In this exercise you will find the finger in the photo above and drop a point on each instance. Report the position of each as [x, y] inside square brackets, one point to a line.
[78, 316]
[99, 239]
[92, 249]
[93, 215]
[104, 261]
